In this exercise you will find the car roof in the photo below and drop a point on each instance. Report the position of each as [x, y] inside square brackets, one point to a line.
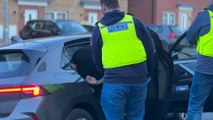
[42, 44]
[46, 20]
[149, 25]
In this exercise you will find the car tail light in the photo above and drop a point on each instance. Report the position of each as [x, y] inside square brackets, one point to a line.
[34, 116]
[171, 35]
[28, 90]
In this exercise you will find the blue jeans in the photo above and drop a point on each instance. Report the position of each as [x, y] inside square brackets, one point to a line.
[123, 100]
[202, 86]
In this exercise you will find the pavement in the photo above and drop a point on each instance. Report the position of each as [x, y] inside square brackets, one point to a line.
[207, 116]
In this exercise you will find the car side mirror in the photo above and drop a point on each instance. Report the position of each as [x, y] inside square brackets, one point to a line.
[16, 39]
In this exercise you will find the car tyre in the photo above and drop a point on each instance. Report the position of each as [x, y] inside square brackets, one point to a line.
[79, 114]
[177, 116]
[183, 116]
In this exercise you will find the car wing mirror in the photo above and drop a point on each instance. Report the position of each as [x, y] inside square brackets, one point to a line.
[16, 39]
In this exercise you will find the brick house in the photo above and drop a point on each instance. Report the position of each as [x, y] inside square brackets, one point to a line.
[20, 11]
[170, 12]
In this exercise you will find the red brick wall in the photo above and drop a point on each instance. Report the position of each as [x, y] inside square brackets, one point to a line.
[142, 9]
[171, 5]
[21, 10]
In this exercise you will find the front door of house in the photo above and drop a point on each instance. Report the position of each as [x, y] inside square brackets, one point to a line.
[93, 17]
[30, 14]
[183, 21]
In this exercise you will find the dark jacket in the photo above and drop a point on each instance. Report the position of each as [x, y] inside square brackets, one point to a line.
[82, 58]
[136, 73]
[200, 27]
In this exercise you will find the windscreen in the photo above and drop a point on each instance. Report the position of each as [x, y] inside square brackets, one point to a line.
[176, 29]
[70, 27]
[155, 28]
[17, 62]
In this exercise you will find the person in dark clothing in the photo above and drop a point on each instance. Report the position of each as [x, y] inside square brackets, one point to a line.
[83, 63]
[122, 48]
[201, 34]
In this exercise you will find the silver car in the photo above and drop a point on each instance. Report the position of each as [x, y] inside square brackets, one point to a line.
[37, 82]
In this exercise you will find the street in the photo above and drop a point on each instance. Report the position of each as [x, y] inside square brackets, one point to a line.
[208, 116]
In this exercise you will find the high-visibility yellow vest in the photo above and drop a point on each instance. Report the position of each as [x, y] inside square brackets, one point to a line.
[205, 42]
[121, 46]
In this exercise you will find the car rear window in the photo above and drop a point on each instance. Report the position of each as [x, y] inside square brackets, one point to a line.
[37, 25]
[18, 62]
[70, 27]
[175, 29]
[154, 28]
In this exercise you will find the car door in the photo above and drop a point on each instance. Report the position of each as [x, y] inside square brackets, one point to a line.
[86, 97]
[159, 90]
[184, 67]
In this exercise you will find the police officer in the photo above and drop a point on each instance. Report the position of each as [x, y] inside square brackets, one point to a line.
[122, 48]
[201, 34]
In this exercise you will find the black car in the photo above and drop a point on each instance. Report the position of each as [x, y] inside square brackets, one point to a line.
[46, 28]
[37, 82]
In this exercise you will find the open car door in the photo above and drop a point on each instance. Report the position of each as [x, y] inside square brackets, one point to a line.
[159, 90]
[184, 57]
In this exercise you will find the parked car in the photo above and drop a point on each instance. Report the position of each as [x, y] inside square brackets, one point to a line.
[89, 27]
[37, 82]
[168, 34]
[46, 28]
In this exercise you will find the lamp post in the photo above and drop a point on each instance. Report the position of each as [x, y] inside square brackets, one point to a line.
[6, 29]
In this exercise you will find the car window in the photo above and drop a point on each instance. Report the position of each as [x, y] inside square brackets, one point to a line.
[70, 27]
[184, 50]
[154, 28]
[66, 56]
[68, 51]
[25, 32]
[17, 63]
[37, 25]
[50, 26]
[89, 28]
[175, 29]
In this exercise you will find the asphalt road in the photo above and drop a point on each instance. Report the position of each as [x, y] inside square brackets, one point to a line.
[207, 116]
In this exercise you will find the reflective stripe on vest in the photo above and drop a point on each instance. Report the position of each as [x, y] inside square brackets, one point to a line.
[121, 46]
[205, 42]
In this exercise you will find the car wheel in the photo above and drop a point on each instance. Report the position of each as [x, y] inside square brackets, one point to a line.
[183, 116]
[79, 114]
[177, 116]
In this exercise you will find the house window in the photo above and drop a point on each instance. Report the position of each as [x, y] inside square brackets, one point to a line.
[168, 18]
[50, 15]
[61, 16]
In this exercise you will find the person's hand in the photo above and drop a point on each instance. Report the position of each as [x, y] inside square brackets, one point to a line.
[91, 80]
